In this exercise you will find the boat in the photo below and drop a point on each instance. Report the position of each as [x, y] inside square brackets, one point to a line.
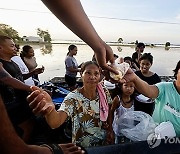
[59, 89]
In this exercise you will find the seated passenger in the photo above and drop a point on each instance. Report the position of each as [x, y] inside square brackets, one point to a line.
[10, 143]
[13, 90]
[86, 106]
[122, 103]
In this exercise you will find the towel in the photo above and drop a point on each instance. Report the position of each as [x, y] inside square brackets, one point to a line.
[104, 108]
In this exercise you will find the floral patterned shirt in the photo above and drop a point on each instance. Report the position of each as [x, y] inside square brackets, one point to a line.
[85, 115]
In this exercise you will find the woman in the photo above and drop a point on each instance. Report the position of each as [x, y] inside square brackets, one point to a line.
[166, 95]
[150, 77]
[87, 107]
[71, 67]
[137, 55]
[27, 56]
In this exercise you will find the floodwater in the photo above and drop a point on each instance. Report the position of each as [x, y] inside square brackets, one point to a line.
[52, 58]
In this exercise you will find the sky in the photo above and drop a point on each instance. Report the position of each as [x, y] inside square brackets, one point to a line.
[149, 21]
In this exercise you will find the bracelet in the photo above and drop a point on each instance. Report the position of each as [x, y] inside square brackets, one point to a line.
[54, 148]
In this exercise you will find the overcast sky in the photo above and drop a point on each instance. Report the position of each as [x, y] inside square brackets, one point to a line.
[150, 21]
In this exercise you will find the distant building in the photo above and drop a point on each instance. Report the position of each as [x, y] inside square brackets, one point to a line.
[32, 39]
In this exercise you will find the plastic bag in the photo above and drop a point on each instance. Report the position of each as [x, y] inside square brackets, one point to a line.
[136, 125]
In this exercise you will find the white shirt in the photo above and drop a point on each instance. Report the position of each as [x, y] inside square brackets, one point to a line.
[23, 68]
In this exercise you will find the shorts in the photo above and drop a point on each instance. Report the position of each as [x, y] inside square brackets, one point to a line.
[71, 81]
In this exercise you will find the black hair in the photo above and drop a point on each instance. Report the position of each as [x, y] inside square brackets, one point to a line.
[176, 70]
[3, 38]
[71, 47]
[128, 58]
[84, 65]
[26, 49]
[115, 56]
[140, 44]
[147, 56]
[119, 91]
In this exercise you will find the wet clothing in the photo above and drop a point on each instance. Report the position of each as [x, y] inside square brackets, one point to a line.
[85, 115]
[14, 99]
[167, 105]
[145, 106]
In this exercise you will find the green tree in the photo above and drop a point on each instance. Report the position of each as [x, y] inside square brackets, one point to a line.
[9, 31]
[44, 35]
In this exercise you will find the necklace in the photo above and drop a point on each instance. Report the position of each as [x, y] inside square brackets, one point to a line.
[127, 104]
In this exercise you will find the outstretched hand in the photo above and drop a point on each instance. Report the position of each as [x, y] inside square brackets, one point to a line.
[129, 76]
[104, 55]
[40, 101]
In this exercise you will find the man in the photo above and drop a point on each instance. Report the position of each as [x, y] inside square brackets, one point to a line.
[10, 143]
[72, 14]
[136, 55]
[13, 90]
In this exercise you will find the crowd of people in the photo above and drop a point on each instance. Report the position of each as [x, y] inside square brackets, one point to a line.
[91, 108]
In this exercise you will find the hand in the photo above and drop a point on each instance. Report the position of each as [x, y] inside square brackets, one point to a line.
[110, 137]
[40, 101]
[38, 70]
[103, 55]
[71, 148]
[129, 76]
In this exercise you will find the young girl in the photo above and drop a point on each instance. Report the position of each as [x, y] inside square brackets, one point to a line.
[121, 103]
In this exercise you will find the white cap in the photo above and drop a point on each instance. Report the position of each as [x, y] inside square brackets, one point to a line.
[109, 85]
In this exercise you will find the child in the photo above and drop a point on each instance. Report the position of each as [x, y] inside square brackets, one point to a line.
[121, 103]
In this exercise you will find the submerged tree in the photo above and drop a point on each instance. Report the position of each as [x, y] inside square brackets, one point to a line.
[120, 40]
[9, 31]
[167, 44]
[44, 35]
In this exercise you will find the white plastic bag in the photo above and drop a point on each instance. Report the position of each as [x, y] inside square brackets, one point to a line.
[136, 125]
[165, 129]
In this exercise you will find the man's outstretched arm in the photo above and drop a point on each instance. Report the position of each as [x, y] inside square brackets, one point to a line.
[71, 13]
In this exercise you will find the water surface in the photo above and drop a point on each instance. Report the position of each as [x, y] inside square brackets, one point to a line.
[52, 58]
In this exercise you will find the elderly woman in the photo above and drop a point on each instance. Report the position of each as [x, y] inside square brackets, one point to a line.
[87, 107]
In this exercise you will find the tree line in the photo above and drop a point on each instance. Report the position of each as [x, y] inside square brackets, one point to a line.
[9, 31]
